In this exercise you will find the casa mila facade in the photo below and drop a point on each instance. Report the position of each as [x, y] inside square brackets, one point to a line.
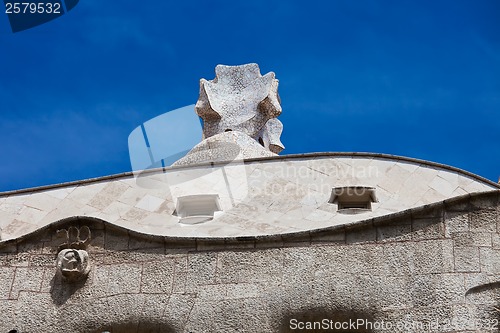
[233, 237]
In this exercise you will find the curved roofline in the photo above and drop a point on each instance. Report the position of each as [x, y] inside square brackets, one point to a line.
[305, 236]
[262, 159]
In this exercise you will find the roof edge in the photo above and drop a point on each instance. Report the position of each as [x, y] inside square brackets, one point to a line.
[260, 159]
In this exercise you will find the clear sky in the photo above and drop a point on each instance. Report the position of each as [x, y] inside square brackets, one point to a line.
[412, 78]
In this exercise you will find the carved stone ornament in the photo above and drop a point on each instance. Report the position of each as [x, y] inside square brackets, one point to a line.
[73, 264]
[73, 261]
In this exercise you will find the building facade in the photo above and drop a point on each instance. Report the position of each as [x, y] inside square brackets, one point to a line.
[234, 238]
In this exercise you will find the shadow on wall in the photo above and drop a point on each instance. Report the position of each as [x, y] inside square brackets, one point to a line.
[489, 313]
[321, 320]
[60, 292]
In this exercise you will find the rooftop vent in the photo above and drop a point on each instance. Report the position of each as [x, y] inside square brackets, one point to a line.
[353, 199]
[199, 208]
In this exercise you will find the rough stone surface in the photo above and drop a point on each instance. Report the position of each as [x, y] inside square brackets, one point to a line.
[240, 99]
[406, 272]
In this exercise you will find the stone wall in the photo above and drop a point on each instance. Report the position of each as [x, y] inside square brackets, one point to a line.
[435, 265]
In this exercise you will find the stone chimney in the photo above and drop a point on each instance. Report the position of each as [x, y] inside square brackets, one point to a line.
[239, 109]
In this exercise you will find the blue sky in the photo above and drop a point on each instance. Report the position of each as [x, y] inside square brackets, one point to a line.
[411, 78]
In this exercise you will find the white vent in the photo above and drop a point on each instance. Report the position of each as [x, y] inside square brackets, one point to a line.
[194, 209]
[353, 199]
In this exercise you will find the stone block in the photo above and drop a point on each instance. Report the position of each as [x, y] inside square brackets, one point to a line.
[366, 290]
[428, 213]
[157, 277]
[97, 317]
[146, 242]
[179, 246]
[8, 247]
[34, 312]
[49, 279]
[201, 270]
[249, 266]
[120, 257]
[490, 259]
[210, 245]
[394, 233]
[53, 246]
[207, 316]
[485, 201]
[463, 318]
[178, 310]
[20, 227]
[8, 317]
[298, 265]
[26, 279]
[43, 260]
[96, 244]
[366, 259]
[443, 185]
[247, 315]
[180, 262]
[240, 243]
[122, 278]
[30, 215]
[423, 257]
[326, 236]
[268, 243]
[244, 290]
[399, 259]
[430, 228]
[17, 260]
[393, 293]
[434, 256]
[7, 278]
[358, 235]
[296, 239]
[153, 308]
[456, 222]
[495, 240]
[98, 281]
[472, 238]
[214, 292]
[179, 282]
[427, 316]
[467, 259]
[423, 289]
[483, 220]
[125, 309]
[115, 239]
[354, 259]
